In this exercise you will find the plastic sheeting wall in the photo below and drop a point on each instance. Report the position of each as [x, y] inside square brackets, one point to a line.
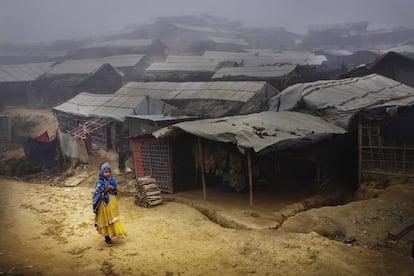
[72, 147]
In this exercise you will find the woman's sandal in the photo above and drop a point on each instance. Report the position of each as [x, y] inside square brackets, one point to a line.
[108, 241]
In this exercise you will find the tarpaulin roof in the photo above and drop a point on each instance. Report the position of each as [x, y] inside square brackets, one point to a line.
[226, 54]
[78, 66]
[240, 91]
[162, 118]
[338, 26]
[261, 132]
[225, 40]
[209, 99]
[23, 72]
[121, 43]
[290, 57]
[275, 72]
[110, 106]
[120, 60]
[248, 59]
[342, 99]
[392, 65]
[184, 66]
[83, 104]
[405, 47]
[193, 27]
[335, 52]
[189, 59]
[152, 107]
[257, 57]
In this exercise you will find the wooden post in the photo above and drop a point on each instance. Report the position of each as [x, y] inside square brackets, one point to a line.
[369, 135]
[249, 165]
[380, 147]
[404, 156]
[131, 147]
[359, 153]
[150, 164]
[318, 176]
[203, 179]
[196, 164]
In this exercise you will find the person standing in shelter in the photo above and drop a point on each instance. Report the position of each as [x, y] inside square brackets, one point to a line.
[105, 205]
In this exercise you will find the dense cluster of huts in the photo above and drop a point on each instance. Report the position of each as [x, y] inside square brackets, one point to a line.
[204, 100]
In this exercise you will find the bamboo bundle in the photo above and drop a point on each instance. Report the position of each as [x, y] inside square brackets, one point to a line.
[148, 193]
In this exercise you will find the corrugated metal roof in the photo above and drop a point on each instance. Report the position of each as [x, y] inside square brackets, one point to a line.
[257, 131]
[240, 91]
[344, 96]
[191, 66]
[225, 40]
[277, 71]
[23, 72]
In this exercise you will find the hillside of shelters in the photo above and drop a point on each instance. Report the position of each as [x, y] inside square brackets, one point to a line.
[213, 98]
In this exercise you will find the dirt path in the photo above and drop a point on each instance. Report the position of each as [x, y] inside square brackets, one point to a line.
[49, 231]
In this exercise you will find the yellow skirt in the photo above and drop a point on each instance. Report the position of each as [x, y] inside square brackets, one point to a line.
[107, 219]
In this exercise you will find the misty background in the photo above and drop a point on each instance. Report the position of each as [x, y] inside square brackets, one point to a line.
[24, 21]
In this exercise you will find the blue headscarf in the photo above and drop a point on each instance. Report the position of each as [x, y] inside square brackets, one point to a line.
[100, 188]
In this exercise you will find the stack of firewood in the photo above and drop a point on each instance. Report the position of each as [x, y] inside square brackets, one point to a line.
[148, 193]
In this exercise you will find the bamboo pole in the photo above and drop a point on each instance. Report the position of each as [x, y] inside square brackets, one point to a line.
[404, 156]
[203, 179]
[249, 165]
[131, 148]
[170, 165]
[380, 148]
[359, 154]
[318, 176]
[390, 173]
[388, 147]
[369, 134]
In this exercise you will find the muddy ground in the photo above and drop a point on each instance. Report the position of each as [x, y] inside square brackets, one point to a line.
[47, 229]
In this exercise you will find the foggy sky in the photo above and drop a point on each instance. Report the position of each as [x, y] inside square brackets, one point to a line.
[49, 20]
